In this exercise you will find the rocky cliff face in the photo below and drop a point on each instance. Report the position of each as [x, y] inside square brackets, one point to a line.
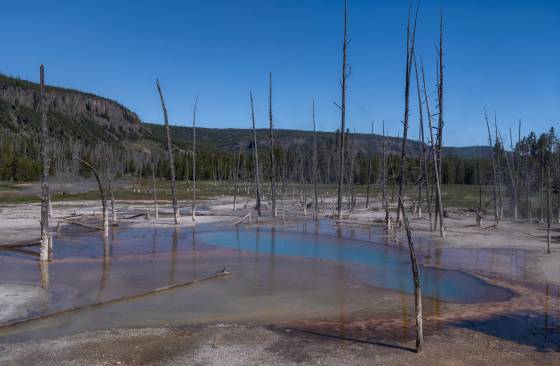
[21, 97]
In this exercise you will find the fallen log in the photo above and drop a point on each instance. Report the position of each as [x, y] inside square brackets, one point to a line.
[87, 225]
[246, 217]
[21, 245]
[219, 274]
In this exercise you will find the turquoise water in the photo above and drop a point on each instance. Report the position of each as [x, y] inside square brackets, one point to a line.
[388, 267]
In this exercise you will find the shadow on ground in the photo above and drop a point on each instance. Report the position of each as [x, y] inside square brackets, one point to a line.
[538, 330]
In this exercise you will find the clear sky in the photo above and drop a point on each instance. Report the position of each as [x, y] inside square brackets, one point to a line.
[504, 55]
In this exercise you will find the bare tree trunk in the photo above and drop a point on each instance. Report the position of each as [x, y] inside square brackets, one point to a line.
[272, 160]
[496, 215]
[423, 154]
[315, 158]
[256, 156]
[499, 167]
[416, 279]
[383, 186]
[111, 195]
[102, 193]
[236, 177]
[342, 114]
[193, 213]
[44, 255]
[169, 156]
[156, 213]
[479, 209]
[548, 212]
[410, 38]
[369, 171]
[439, 203]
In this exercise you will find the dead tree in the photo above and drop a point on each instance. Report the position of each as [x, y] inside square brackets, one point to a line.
[45, 246]
[342, 114]
[169, 156]
[439, 203]
[384, 181]
[102, 193]
[499, 167]
[193, 214]
[511, 171]
[156, 213]
[256, 157]
[315, 158]
[272, 160]
[416, 279]
[236, 178]
[109, 186]
[548, 212]
[423, 153]
[369, 171]
[410, 38]
[496, 216]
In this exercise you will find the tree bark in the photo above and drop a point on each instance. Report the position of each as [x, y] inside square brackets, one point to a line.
[44, 255]
[315, 158]
[102, 193]
[193, 213]
[416, 279]
[256, 157]
[169, 156]
[272, 160]
[496, 215]
[342, 114]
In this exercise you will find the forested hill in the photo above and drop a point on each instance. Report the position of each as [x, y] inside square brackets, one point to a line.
[91, 126]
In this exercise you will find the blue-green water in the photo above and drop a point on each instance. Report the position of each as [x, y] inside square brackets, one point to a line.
[387, 267]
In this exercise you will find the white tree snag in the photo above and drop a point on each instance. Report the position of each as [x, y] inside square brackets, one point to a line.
[256, 157]
[315, 158]
[272, 160]
[496, 215]
[410, 38]
[369, 170]
[44, 256]
[236, 179]
[156, 211]
[169, 156]
[193, 215]
[416, 279]
[439, 203]
[109, 186]
[548, 212]
[342, 114]
[102, 193]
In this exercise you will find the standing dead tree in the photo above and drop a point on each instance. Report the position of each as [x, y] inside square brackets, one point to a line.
[416, 279]
[236, 178]
[315, 158]
[102, 193]
[342, 114]
[45, 238]
[423, 156]
[496, 215]
[548, 212]
[169, 156]
[156, 213]
[272, 160]
[410, 38]
[439, 203]
[369, 170]
[256, 157]
[109, 186]
[193, 213]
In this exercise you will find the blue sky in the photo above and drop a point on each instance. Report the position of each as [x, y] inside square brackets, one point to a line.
[504, 55]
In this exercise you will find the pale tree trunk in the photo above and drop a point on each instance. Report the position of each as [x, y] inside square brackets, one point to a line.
[272, 160]
[193, 214]
[548, 213]
[416, 279]
[383, 186]
[499, 167]
[315, 158]
[109, 186]
[496, 215]
[156, 211]
[410, 38]
[102, 193]
[342, 114]
[424, 156]
[236, 178]
[369, 171]
[439, 203]
[169, 156]
[256, 157]
[44, 256]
